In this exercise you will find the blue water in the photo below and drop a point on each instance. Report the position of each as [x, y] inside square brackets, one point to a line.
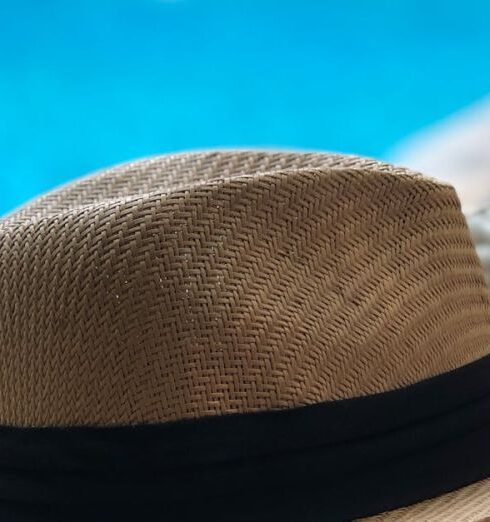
[87, 83]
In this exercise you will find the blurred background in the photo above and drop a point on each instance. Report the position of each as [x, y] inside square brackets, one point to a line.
[87, 84]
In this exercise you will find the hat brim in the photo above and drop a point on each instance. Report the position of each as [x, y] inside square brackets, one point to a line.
[468, 504]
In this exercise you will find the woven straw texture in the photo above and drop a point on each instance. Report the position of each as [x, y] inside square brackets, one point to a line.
[211, 283]
[470, 504]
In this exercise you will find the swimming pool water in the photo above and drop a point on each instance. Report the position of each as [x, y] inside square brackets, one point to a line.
[90, 83]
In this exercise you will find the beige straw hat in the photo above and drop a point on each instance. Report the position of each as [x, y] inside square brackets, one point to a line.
[252, 336]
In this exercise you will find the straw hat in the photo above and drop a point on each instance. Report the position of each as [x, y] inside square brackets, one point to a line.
[244, 336]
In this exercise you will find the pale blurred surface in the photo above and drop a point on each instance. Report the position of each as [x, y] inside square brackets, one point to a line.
[480, 225]
[457, 150]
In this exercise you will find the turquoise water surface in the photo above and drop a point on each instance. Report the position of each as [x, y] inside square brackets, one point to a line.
[89, 83]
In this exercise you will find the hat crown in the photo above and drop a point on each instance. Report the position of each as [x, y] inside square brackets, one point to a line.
[213, 283]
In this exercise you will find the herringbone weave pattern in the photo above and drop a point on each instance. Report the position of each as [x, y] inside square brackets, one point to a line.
[211, 283]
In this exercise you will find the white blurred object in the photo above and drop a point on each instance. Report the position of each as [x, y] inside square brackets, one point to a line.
[479, 223]
[457, 150]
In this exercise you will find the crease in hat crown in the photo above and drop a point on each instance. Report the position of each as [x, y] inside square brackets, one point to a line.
[229, 282]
